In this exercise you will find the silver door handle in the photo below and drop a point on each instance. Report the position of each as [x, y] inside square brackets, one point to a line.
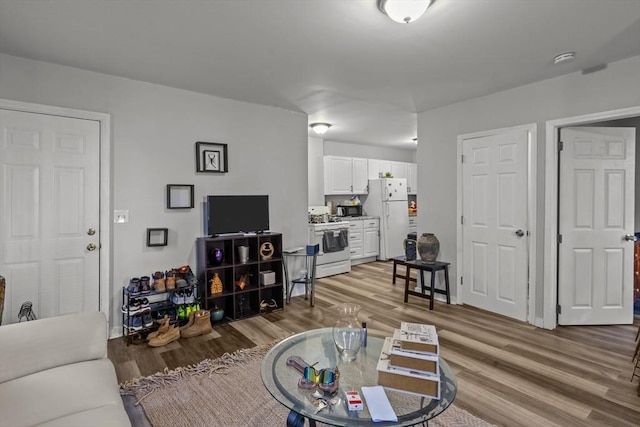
[519, 233]
[630, 238]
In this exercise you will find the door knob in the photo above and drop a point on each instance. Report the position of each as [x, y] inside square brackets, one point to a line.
[630, 238]
[91, 231]
[91, 247]
[519, 233]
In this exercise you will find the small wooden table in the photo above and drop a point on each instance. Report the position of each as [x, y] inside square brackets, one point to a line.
[432, 267]
[401, 260]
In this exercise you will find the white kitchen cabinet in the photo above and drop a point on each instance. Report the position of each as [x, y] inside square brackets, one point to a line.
[385, 166]
[370, 237]
[355, 238]
[359, 177]
[345, 175]
[412, 178]
[373, 168]
[399, 169]
[364, 241]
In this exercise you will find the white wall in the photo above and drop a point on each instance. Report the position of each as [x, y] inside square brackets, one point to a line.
[154, 130]
[617, 86]
[337, 148]
[316, 172]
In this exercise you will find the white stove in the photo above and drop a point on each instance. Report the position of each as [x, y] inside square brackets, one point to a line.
[333, 238]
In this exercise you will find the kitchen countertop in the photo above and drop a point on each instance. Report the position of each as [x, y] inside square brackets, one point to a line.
[355, 218]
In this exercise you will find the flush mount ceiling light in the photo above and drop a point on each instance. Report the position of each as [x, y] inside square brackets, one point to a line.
[404, 11]
[320, 128]
[564, 57]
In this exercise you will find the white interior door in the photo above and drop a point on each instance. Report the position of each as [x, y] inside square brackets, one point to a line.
[595, 259]
[50, 169]
[494, 228]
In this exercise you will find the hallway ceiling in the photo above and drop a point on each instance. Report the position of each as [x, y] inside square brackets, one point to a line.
[338, 61]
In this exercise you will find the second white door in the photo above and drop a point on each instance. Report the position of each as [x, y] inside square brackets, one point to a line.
[595, 256]
[495, 237]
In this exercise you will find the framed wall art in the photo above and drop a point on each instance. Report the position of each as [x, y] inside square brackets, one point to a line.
[180, 196]
[211, 157]
[157, 236]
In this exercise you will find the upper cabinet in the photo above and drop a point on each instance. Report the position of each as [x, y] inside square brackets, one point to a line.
[359, 176]
[399, 169]
[378, 168]
[412, 178]
[345, 175]
[373, 168]
[351, 175]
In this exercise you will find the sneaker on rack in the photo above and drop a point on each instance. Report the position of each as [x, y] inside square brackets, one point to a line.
[144, 305]
[145, 287]
[181, 311]
[147, 320]
[133, 307]
[191, 278]
[171, 314]
[158, 315]
[134, 287]
[178, 297]
[135, 323]
[188, 296]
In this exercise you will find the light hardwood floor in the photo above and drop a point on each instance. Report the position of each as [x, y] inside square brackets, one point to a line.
[509, 373]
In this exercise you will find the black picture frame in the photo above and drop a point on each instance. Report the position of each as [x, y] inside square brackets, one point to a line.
[180, 196]
[157, 236]
[211, 157]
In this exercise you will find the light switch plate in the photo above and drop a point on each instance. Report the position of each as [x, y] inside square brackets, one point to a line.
[120, 216]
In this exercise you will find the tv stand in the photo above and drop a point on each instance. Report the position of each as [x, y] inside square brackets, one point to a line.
[213, 236]
[254, 297]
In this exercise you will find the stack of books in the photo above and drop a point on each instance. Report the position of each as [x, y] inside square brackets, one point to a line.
[409, 360]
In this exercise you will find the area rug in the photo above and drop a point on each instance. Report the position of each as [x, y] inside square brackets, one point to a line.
[228, 391]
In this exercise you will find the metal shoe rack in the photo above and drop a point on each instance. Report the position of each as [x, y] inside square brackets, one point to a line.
[158, 301]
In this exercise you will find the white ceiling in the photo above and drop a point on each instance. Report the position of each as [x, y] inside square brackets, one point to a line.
[339, 61]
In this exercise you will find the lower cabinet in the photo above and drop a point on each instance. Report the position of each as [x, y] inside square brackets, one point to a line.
[241, 275]
[364, 242]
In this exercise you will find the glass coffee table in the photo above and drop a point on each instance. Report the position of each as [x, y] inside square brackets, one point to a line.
[317, 345]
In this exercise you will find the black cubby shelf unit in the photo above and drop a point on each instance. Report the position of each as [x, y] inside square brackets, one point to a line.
[222, 256]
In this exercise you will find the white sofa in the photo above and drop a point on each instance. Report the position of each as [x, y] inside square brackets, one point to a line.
[55, 372]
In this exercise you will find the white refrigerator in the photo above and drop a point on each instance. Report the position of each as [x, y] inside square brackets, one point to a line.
[387, 199]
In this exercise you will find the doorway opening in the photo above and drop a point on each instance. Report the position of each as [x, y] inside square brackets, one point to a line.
[551, 199]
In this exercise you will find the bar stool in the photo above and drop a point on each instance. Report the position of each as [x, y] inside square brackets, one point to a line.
[308, 279]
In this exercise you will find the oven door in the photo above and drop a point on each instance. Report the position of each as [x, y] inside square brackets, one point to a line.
[334, 244]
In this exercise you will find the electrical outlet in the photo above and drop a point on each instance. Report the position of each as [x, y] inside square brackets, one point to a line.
[120, 217]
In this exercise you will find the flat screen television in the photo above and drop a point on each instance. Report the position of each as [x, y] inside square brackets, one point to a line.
[237, 214]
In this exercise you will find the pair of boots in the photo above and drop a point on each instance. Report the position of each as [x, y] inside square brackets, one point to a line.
[199, 324]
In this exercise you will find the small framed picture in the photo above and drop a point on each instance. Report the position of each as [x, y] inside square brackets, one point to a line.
[157, 236]
[211, 157]
[180, 196]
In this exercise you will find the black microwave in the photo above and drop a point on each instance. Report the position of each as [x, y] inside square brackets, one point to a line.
[349, 210]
